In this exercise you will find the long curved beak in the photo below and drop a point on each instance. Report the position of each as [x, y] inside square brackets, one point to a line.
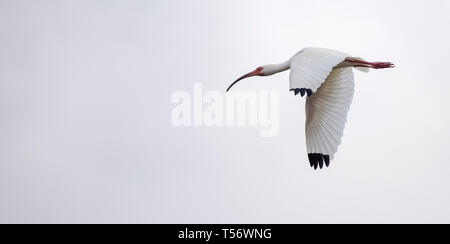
[253, 73]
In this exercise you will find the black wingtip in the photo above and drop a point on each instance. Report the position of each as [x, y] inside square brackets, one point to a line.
[317, 160]
[320, 162]
[327, 160]
[311, 162]
[302, 91]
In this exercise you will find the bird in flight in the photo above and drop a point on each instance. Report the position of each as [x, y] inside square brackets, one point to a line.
[326, 77]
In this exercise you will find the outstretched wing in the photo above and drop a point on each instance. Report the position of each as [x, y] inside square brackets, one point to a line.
[311, 66]
[326, 114]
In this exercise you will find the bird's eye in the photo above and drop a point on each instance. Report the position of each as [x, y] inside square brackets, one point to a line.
[260, 68]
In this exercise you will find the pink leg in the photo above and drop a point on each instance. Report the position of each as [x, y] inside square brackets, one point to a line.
[373, 65]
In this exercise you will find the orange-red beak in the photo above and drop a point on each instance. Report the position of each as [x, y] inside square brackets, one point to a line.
[253, 73]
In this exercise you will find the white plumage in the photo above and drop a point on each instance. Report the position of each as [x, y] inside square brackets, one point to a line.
[311, 66]
[326, 76]
[326, 112]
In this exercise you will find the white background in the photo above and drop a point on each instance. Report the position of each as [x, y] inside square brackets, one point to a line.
[85, 131]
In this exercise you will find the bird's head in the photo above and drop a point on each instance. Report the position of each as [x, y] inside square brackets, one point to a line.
[260, 71]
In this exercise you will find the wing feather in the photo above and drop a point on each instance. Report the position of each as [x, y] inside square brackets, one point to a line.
[326, 112]
[311, 66]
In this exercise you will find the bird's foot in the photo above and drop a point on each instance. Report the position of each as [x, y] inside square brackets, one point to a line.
[373, 65]
[382, 65]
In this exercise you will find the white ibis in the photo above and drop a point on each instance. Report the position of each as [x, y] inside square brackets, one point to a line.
[326, 76]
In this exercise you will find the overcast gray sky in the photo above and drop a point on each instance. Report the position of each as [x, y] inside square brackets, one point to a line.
[86, 135]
